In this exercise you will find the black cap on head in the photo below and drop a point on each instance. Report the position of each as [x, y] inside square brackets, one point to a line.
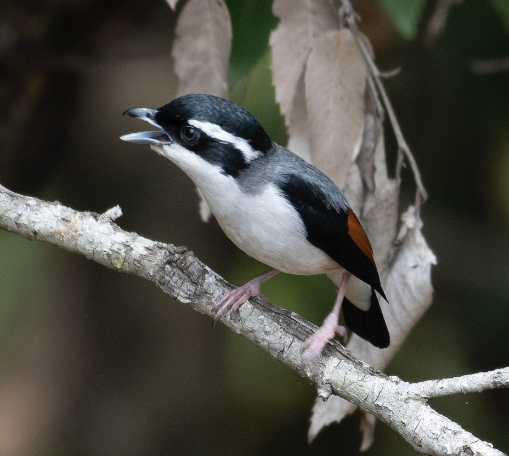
[208, 108]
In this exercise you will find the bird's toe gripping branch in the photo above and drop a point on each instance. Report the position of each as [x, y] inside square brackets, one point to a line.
[235, 298]
[315, 344]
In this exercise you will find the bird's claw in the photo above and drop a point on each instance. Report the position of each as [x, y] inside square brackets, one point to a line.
[314, 345]
[235, 298]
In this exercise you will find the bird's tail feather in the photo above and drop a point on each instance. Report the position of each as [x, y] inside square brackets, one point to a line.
[370, 324]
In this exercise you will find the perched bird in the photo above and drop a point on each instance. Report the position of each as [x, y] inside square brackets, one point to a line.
[274, 206]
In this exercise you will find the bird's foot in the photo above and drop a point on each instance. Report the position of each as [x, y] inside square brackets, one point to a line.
[315, 344]
[235, 298]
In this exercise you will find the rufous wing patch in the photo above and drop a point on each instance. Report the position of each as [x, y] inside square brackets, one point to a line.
[358, 235]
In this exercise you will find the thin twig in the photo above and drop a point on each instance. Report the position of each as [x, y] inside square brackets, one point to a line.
[473, 383]
[350, 18]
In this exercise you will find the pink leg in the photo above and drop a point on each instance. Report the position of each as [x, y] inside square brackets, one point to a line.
[235, 298]
[330, 327]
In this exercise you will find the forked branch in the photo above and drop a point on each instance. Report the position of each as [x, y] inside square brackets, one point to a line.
[175, 270]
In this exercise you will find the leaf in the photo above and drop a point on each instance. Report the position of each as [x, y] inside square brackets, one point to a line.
[297, 122]
[407, 283]
[300, 23]
[405, 14]
[201, 52]
[379, 211]
[202, 48]
[354, 189]
[172, 4]
[335, 80]
[502, 9]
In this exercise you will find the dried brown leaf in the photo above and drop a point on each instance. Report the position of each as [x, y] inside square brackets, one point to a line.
[202, 47]
[297, 123]
[172, 4]
[300, 23]
[367, 427]
[380, 209]
[335, 80]
[353, 188]
[368, 188]
[407, 280]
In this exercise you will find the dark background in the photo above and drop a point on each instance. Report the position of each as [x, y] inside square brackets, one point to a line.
[97, 363]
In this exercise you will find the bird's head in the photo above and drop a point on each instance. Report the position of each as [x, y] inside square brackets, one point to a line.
[206, 127]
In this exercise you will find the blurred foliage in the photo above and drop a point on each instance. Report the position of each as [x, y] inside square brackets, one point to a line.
[406, 14]
[502, 8]
[252, 21]
[20, 254]
[255, 92]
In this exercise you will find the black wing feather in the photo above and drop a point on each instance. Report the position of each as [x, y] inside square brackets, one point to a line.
[327, 226]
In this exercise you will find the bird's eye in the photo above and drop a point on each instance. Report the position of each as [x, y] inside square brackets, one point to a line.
[189, 135]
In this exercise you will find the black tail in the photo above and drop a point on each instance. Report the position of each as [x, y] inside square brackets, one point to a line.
[369, 325]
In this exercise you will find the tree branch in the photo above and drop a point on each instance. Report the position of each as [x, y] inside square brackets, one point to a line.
[180, 274]
[474, 383]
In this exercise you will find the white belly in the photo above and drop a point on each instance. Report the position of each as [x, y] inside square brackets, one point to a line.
[269, 229]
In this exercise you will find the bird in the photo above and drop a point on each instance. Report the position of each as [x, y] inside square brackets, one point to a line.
[273, 205]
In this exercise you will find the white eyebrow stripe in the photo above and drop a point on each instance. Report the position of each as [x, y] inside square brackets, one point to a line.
[215, 131]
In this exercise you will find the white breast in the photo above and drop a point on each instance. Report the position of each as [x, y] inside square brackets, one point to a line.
[264, 225]
[268, 228]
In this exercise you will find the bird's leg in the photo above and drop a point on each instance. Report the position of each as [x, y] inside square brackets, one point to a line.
[235, 298]
[330, 327]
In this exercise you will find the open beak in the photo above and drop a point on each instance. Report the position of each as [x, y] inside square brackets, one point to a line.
[146, 137]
